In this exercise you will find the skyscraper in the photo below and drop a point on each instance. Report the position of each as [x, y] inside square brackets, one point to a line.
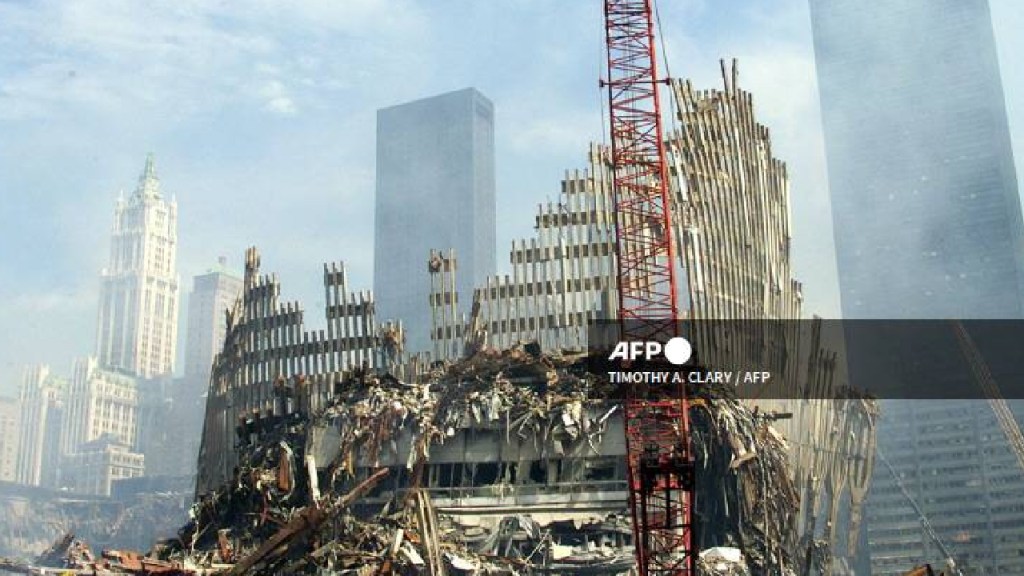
[212, 294]
[42, 403]
[927, 224]
[138, 316]
[925, 207]
[435, 189]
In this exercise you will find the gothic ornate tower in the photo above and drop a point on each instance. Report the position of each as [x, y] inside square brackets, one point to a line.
[138, 317]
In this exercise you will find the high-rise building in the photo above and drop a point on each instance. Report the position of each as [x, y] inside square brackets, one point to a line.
[138, 317]
[100, 402]
[212, 295]
[10, 422]
[954, 461]
[925, 207]
[927, 224]
[42, 404]
[435, 190]
[101, 420]
[165, 415]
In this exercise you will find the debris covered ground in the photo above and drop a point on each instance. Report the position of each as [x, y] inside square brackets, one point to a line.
[369, 507]
[31, 519]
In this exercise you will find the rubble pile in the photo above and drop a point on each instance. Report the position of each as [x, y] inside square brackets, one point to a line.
[747, 498]
[520, 390]
[722, 561]
[279, 491]
[286, 513]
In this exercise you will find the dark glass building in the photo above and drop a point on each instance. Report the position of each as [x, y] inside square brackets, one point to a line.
[927, 223]
[925, 206]
[435, 190]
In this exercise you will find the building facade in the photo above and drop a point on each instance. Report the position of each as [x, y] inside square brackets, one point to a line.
[101, 428]
[166, 426]
[923, 186]
[213, 294]
[435, 190]
[953, 460]
[42, 402]
[138, 317]
[270, 361]
[927, 224]
[97, 464]
[10, 427]
[100, 403]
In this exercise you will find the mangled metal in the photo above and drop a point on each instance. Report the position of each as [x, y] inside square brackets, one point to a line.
[522, 409]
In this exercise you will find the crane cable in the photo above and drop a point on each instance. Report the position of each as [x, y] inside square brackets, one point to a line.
[602, 63]
[925, 523]
[983, 377]
[673, 105]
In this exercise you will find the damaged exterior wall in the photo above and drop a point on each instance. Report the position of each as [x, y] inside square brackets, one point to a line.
[734, 232]
[731, 213]
[731, 207]
[267, 348]
[565, 277]
[731, 201]
[447, 323]
[725, 180]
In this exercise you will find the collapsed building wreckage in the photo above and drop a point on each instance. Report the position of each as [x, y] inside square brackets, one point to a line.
[489, 475]
[377, 480]
[508, 458]
[548, 498]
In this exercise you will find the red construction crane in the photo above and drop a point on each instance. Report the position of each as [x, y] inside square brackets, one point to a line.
[659, 458]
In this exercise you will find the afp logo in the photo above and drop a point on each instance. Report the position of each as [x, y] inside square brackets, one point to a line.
[677, 350]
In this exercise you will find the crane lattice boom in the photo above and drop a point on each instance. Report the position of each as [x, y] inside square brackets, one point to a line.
[659, 459]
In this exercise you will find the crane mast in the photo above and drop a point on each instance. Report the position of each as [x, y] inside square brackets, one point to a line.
[659, 459]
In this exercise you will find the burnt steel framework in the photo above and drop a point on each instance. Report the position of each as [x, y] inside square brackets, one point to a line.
[727, 188]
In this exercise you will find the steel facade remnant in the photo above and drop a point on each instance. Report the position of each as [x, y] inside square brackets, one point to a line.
[659, 458]
[266, 346]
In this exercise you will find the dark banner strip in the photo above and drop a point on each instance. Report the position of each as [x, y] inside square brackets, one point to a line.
[885, 359]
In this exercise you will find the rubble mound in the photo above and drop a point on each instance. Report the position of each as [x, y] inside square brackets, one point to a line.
[286, 513]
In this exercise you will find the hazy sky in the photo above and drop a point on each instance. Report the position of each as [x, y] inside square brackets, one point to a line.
[261, 116]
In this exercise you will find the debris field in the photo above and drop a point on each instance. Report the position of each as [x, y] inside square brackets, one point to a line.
[354, 488]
